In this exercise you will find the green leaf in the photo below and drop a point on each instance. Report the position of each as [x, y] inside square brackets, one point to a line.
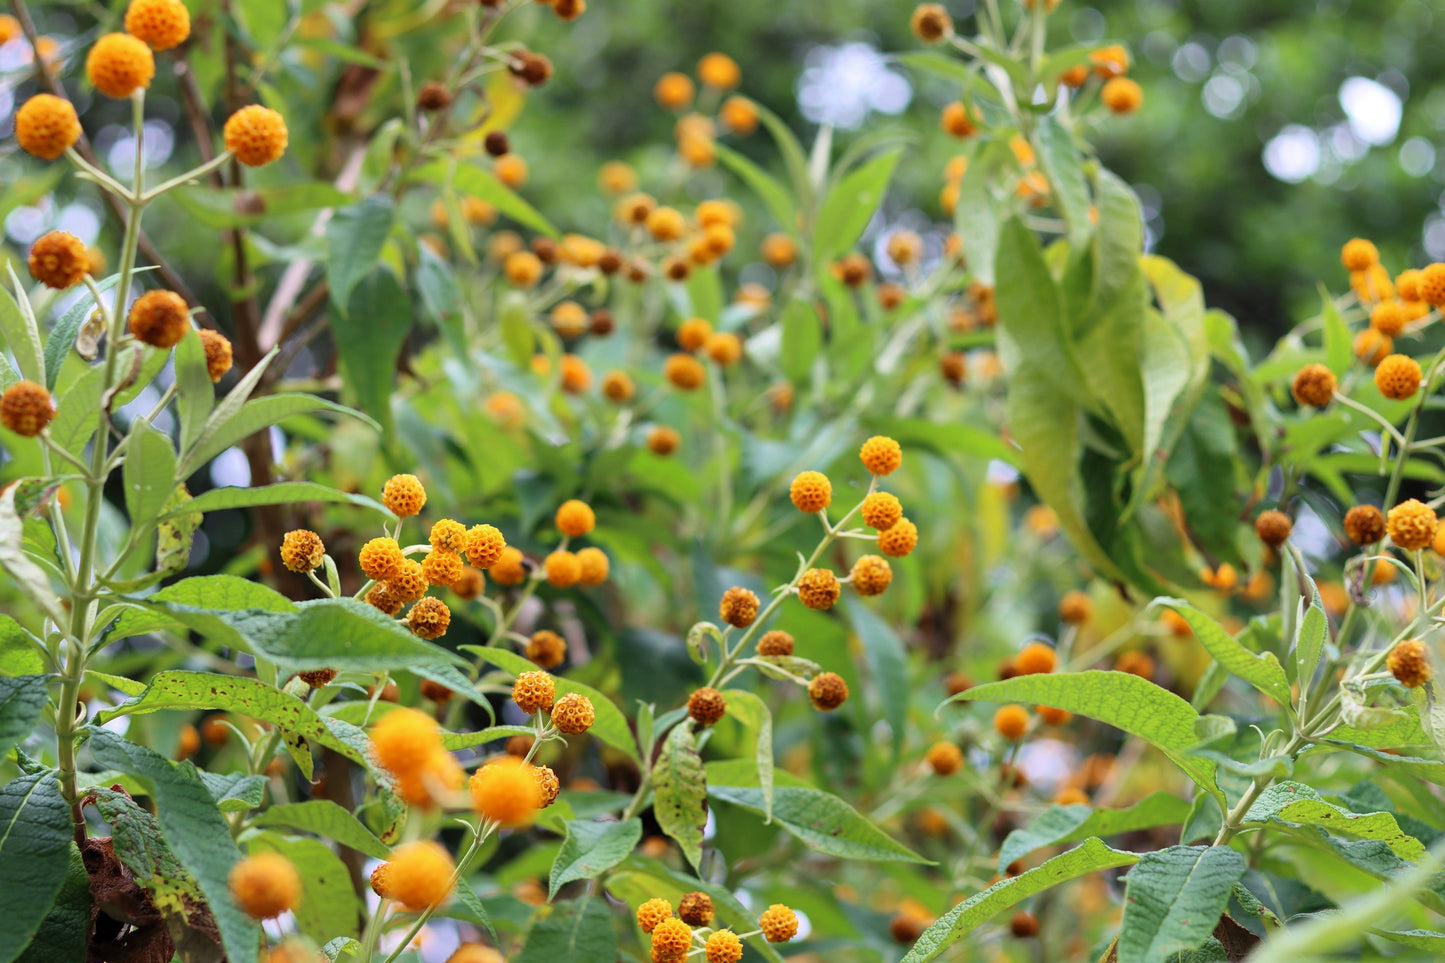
[149, 473]
[282, 493]
[592, 848]
[1060, 162]
[1067, 824]
[753, 713]
[480, 182]
[20, 652]
[22, 699]
[328, 905]
[1173, 898]
[1293, 802]
[793, 157]
[224, 429]
[75, 414]
[369, 336]
[850, 205]
[1339, 350]
[62, 337]
[704, 290]
[327, 820]
[822, 821]
[21, 333]
[977, 216]
[964, 918]
[354, 239]
[63, 933]
[887, 664]
[514, 318]
[35, 843]
[1118, 242]
[342, 634]
[1127, 702]
[768, 188]
[235, 791]
[218, 592]
[29, 577]
[578, 932]
[195, 392]
[610, 726]
[179, 689]
[802, 340]
[1310, 643]
[192, 828]
[680, 800]
[1260, 669]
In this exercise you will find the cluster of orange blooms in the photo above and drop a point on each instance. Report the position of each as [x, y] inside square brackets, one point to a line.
[674, 938]
[696, 132]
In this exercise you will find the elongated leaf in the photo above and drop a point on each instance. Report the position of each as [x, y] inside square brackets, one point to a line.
[149, 474]
[1173, 899]
[220, 592]
[802, 340]
[591, 849]
[1260, 669]
[768, 188]
[977, 216]
[222, 433]
[1293, 802]
[964, 918]
[342, 634]
[62, 336]
[22, 699]
[21, 334]
[850, 205]
[793, 157]
[369, 336]
[611, 725]
[75, 416]
[753, 713]
[354, 239]
[578, 932]
[1127, 702]
[480, 182]
[1061, 163]
[1310, 643]
[29, 577]
[195, 392]
[282, 493]
[63, 933]
[887, 664]
[177, 689]
[235, 791]
[327, 820]
[192, 827]
[1339, 353]
[35, 843]
[1067, 824]
[822, 821]
[680, 800]
[704, 289]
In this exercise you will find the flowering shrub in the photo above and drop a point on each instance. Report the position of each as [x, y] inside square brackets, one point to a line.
[619, 593]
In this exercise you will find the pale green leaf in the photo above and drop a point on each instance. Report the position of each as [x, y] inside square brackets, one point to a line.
[195, 392]
[22, 699]
[753, 713]
[149, 473]
[1067, 824]
[1293, 802]
[1260, 669]
[822, 821]
[282, 493]
[329, 821]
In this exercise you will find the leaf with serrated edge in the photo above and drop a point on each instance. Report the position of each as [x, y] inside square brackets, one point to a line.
[327, 820]
[822, 821]
[1293, 802]
[1173, 898]
[591, 849]
[35, 839]
[1067, 824]
[1260, 669]
[578, 932]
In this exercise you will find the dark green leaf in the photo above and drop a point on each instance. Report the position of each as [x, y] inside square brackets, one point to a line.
[592, 848]
[62, 934]
[22, 699]
[822, 821]
[887, 664]
[35, 845]
[578, 932]
[1067, 824]
[368, 338]
[354, 238]
[1173, 899]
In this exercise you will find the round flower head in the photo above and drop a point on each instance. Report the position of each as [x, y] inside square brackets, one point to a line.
[1389, 318]
[1122, 95]
[569, 319]
[899, 539]
[618, 387]
[318, 678]
[380, 881]
[476, 953]
[576, 376]
[484, 545]
[776, 642]
[818, 588]
[409, 583]
[573, 714]
[506, 409]
[403, 495]
[1035, 658]
[256, 135]
[695, 909]
[881, 510]
[1136, 663]
[652, 912]
[1011, 722]
[119, 65]
[382, 598]
[46, 126]
[944, 758]
[302, 550]
[58, 260]
[429, 618]
[1365, 524]
[26, 408]
[724, 348]
[219, 354]
[1431, 282]
[1408, 663]
[595, 566]
[723, 946]
[510, 568]
[563, 569]
[569, 10]
[739, 607]
[534, 692]
[671, 939]
[663, 440]
[674, 91]
[522, 268]
[719, 71]
[547, 783]
[684, 371]
[1273, 527]
[706, 706]
[511, 170]
[956, 121]
[505, 790]
[780, 251]
[546, 649]
[442, 567]
[531, 68]
[827, 691]
[1314, 385]
[1359, 254]
[779, 923]
[811, 491]
[1407, 285]
[871, 575]
[265, 885]
[1075, 608]
[1372, 347]
[162, 24]
[405, 741]
[1110, 61]
[1398, 377]
[436, 692]
[160, 318]
[575, 518]
[931, 22]
[1024, 924]
[419, 875]
[381, 559]
[1052, 716]
[1411, 525]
